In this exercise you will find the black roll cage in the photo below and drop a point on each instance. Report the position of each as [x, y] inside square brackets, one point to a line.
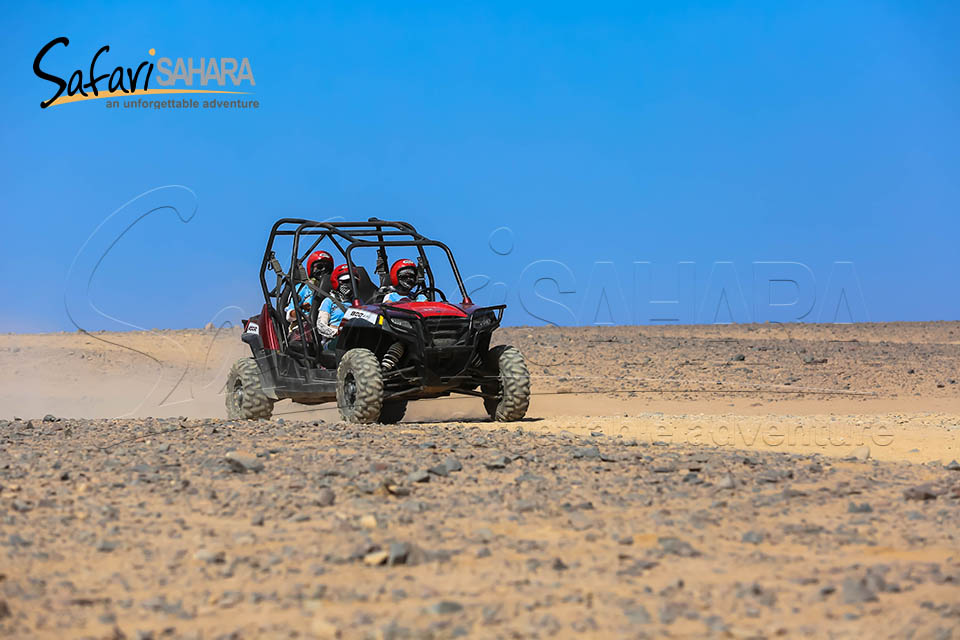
[354, 235]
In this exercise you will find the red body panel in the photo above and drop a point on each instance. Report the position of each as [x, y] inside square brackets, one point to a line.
[430, 309]
[267, 333]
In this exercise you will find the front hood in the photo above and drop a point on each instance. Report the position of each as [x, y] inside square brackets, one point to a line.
[431, 309]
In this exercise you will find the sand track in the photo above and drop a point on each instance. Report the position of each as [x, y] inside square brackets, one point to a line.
[801, 388]
[668, 481]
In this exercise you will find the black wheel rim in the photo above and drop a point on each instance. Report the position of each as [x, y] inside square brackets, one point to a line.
[238, 392]
[350, 389]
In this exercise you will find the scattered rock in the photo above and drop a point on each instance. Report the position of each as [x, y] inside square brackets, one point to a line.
[243, 462]
[500, 462]
[770, 477]
[16, 540]
[324, 497]
[413, 506]
[210, 557]
[230, 599]
[670, 611]
[921, 492]
[753, 537]
[856, 591]
[677, 547]
[376, 558]
[397, 489]
[802, 529]
[524, 506]
[637, 614]
[420, 475]
[860, 453]
[490, 614]
[21, 506]
[445, 607]
[715, 624]
[439, 470]
[398, 553]
[726, 482]
[483, 534]
[579, 522]
[588, 453]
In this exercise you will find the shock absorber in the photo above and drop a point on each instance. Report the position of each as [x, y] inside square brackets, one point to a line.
[392, 356]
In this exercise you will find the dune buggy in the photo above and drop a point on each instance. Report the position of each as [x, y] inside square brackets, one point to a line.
[385, 354]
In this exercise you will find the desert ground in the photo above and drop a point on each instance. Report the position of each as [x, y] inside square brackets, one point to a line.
[674, 481]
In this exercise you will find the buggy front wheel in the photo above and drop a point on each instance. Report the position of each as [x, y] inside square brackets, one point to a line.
[359, 386]
[245, 397]
[511, 390]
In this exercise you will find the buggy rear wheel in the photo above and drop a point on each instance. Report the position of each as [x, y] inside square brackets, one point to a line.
[359, 386]
[245, 398]
[512, 388]
[392, 411]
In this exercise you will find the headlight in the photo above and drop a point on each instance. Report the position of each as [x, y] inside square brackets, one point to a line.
[485, 321]
[402, 324]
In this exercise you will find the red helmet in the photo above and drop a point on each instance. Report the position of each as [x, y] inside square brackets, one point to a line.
[397, 266]
[339, 271]
[317, 256]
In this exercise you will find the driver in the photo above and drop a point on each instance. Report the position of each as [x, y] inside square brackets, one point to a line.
[403, 277]
[330, 314]
[319, 267]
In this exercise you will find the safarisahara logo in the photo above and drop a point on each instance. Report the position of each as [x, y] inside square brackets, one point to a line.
[170, 75]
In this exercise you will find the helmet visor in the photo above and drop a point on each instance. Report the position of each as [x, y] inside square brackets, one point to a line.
[407, 278]
[343, 284]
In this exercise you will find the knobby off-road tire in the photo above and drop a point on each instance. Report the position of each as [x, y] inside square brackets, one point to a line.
[245, 398]
[392, 412]
[359, 386]
[512, 388]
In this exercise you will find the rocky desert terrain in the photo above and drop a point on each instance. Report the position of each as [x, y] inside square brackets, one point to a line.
[724, 481]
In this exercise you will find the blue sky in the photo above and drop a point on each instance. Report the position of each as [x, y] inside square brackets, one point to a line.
[669, 132]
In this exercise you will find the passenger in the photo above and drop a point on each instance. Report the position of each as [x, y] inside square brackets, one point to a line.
[319, 267]
[403, 277]
[330, 314]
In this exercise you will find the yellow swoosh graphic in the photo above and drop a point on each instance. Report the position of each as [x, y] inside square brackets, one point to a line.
[119, 94]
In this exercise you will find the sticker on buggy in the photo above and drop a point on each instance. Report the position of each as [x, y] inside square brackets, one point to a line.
[253, 327]
[360, 314]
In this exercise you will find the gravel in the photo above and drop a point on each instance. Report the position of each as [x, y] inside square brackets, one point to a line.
[519, 535]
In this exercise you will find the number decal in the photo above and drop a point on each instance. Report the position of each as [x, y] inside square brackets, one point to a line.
[360, 314]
